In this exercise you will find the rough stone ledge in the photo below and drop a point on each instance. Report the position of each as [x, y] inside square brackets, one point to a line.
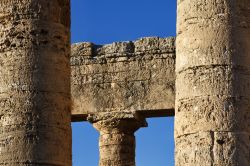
[146, 48]
[112, 115]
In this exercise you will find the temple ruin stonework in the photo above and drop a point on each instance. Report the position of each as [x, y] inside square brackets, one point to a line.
[117, 86]
[202, 77]
[35, 82]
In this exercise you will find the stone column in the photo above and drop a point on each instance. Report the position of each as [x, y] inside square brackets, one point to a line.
[212, 123]
[117, 140]
[35, 82]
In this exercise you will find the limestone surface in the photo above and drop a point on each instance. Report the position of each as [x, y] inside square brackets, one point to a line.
[212, 122]
[117, 141]
[116, 86]
[35, 83]
[123, 76]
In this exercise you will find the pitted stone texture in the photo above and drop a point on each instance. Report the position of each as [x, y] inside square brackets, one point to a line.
[117, 140]
[212, 83]
[209, 29]
[217, 112]
[123, 76]
[213, 148]
[35, 82]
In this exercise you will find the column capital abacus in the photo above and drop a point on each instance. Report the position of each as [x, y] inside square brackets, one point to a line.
[115, 122]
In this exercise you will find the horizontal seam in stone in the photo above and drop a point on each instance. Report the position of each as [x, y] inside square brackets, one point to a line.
[233, 67]
[210, 131]
[211, 96]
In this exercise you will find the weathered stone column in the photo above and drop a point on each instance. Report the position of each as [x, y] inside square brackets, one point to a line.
[117, 140]
[35, 82]
[212, 123]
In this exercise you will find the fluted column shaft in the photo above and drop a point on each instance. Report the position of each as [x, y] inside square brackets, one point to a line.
[35, 82]
[212, 123]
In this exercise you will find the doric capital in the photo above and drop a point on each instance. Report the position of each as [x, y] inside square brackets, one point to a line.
[117, 122]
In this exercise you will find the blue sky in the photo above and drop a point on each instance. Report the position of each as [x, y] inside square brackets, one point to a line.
[106, 21]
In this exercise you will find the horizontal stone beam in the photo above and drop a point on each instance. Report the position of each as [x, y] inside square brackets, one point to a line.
[141, 113]
[123, 76]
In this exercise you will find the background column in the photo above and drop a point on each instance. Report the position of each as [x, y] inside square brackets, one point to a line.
[117, 140]
[35, 82]
[212, 123]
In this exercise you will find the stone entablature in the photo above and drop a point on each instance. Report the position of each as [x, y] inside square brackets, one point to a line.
[124, 76]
